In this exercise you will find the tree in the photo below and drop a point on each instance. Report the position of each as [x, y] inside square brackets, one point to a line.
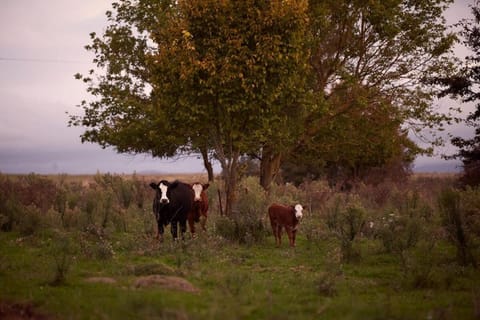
[364, 53]
[223, 77]
[363, 139]
[464, 85]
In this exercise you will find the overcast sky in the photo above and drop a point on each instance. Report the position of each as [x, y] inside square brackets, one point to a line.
[41, 48]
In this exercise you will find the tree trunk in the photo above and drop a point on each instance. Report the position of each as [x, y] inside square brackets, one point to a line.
[269, 167]
[207, 164]
[230, 174]
[231, 185]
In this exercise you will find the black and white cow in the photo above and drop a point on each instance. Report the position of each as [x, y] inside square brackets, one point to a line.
[171, 205]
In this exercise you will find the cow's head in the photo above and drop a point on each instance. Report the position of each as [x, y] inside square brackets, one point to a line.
[161, 189]
[197, 190]
[298, 211]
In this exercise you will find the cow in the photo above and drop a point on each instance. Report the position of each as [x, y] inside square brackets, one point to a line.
[200, 206]
[287, 217]
[171, 205]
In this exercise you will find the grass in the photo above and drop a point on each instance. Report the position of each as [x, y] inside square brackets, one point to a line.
[50, 266]
[259, 281]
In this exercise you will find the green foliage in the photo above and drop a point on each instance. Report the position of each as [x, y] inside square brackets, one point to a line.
[238, 275]
[63, 253]
[247, 222]
[463, 85]
[267, 79]
[222, 76]
[418, 265]
[345, 219]
[400, 229]
[460, 217]
[361, 56]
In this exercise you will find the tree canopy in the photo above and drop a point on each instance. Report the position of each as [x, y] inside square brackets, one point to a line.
[372, 67]
[266, 78]
[182, 75]
[464, 86]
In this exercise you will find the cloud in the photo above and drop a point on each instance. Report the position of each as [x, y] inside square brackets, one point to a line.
[41, 27]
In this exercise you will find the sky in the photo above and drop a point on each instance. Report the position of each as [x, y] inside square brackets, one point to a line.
[41, 48]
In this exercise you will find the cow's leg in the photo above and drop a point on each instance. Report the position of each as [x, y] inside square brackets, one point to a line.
[291, 236]
[204, 222]
[160, 231]
[279, 234]
[191, 224]
[173, 230]
[274, 230]
[183, 228]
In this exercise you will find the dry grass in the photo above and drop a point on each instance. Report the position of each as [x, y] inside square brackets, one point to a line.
[436, 175]
[86, 179]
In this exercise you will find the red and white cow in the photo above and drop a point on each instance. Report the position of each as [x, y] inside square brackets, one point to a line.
[287, 217]
[200, 206]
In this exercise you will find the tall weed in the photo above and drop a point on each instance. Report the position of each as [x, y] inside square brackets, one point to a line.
[345, 219]
[460, 212]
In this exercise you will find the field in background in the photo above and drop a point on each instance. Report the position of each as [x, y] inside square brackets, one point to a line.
[84, 247]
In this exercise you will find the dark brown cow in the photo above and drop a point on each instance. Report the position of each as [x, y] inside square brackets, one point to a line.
[286, 217]
[200, 206]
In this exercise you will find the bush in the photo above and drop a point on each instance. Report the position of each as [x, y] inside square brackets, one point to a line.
[63, 253]
[460, 211]
[404, 223]
[418, 266]
[246, 225]
[243, 229]
[345, 219]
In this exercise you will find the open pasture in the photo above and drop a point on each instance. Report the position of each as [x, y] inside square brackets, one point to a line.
[72, 249]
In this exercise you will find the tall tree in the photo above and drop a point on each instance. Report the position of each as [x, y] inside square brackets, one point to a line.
[464, 85]
[386, 47]
[366, 136]
[217, 76]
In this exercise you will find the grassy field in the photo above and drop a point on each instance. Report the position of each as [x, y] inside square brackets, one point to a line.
[103, 262]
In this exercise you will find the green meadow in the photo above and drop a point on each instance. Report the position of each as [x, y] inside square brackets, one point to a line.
[71, 249]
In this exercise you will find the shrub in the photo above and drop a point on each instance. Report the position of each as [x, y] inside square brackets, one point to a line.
[345, 220]
[246, 223]
[287, 194]
[460, 213]
[244, 229]
[398, 232]
[418, 265]
[10, 212]
[63, 253]
[74, 195]
[316, 195]
[404, 224]
[29, 220]
[139, 191]
[94, 244]
[35, 190]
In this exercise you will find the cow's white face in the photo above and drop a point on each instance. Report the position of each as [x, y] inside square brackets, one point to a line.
[163, 193]
[197, 189]
[298, 211]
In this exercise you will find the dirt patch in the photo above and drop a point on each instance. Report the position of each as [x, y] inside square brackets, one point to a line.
[101, 280]
[18, 311]
[166, 282]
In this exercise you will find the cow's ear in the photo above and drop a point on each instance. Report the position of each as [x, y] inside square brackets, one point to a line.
[205, 186]
[153, 185]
